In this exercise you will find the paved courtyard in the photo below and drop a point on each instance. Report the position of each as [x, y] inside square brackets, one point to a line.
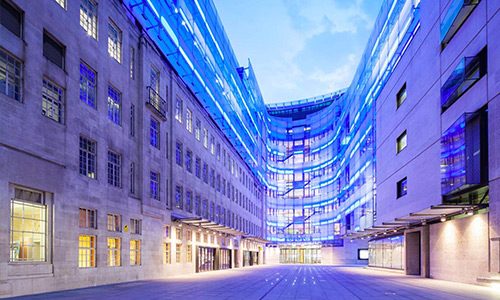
[284, 282]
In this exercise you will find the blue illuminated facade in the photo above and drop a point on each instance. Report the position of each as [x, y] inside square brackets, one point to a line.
[315, 156]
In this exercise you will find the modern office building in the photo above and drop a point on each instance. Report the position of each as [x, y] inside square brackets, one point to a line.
[133, 145]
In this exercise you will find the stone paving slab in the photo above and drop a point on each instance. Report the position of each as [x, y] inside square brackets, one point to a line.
[283, 282]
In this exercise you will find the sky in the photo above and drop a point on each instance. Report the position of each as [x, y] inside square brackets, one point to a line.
[299, 48]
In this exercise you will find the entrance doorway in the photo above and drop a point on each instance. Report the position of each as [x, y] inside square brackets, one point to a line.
[298, 255]
[205, 259]
[413, 253]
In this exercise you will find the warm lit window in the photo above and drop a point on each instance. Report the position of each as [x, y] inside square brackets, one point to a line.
[135, 226]
[402, 187]
[401, 142]
[11, 18]
[197, 129]
[114, 41]
[28, 227]
[52, 101]
[86, 251]
[401, 96]
[114, 252]
[205, 138]
[178, 250]
[189, 120]
[114, 222]
[53, 50]
[189, 161]
[114, 169]
[189, 253]
[88, 17]
[154, 185]
[178, 110]
[178, 153]
[166, 254]
[135, 252]
[88, 85]
[88, 152]
[10, 75]
[114, 105]
[178, 197]
[154, 133]
[88, 218]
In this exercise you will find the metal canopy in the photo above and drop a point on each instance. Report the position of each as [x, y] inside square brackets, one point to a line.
[206, 224]
[432, 214]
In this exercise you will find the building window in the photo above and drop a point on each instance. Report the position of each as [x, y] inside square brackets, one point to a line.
[86, 251]
[135, 252]
[154, 185]
[88, 17]
[212, 177]
[178, 248]
[166, 254]
[189, 200]
[205, 138]
[212, 145]
[135, 226]
[197, 167]
[189, 253]
[402, 187]
[189, 120]
[217, 151]
[114, 252]
[178, 110]
[132, 120]
[11, 18]
[88, 85]
[53, 50]
[114, 41]
[132, 178]
[154, 133]
[178, 197]
[132, 63]
[189, 161]
[454, 16]
[28, 227]
[401, 142]
[178, 153]
[205, 172]
[401, 96]
[114, 105]
[197, 129]
[88, 153]
[114, 169]
[52, 101]
[114, 222]
[10, 75]
[61, 3]
[88, 218]
[178, 233]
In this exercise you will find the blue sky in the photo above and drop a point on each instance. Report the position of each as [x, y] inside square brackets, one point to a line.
[299, 48]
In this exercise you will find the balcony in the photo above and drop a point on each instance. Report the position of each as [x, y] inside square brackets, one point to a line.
[455, 16]
[465, 75]
[156, 103]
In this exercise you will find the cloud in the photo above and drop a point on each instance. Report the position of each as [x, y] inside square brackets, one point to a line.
[338, 78]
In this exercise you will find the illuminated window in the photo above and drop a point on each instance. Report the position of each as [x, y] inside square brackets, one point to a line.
[52, 101]
[135, 252]
[402, 187]
[401, 96]
[132, 63]
[198, 237]
[11, 18]
[178, 250]
[10, 75]
[166, 254]
[114, 169]
[114, 252]
[154, 133]
[178, 153]
[178, 197]
[212, 145]
[178, 110]
[154, 185]
[28, 227]
[189, 161]
[88, 152]
[189, 253]
[135, 226]
[197, 167]
[197, 129]
[86, 251]
[53, 50]
[114, 41]
[114, 222]
[205, 138]
[189, 120]
[88, 218]
[88, 17]
[401, 142]
[114, 105]
[88, 85]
